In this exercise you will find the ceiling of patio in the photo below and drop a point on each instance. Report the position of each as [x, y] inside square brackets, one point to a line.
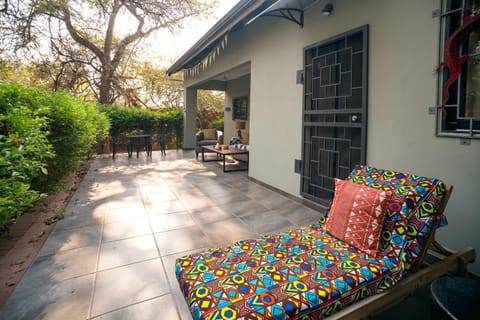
[219, 81]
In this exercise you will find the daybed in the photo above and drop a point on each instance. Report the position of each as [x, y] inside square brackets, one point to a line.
[308, 273]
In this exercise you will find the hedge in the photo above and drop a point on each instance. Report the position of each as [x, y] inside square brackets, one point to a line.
[127, 120]
[43, 136]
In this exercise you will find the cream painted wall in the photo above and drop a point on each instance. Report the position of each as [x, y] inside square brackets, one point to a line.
[235, 89]
[403, 52]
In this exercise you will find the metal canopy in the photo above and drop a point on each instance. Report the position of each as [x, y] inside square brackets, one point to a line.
[291, 10]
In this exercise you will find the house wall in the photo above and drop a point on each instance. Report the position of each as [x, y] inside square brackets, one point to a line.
[403, 53]
[235, 89]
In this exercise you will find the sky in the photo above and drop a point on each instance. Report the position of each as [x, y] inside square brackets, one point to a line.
[164, 48]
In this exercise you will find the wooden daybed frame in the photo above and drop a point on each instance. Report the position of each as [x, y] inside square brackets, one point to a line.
[421, 274]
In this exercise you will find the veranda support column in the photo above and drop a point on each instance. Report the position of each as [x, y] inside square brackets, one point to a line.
[189, 118]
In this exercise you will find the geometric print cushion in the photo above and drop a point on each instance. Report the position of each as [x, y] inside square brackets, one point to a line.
[357, 215]
[304, 273]
[412, 213]
[422, 222]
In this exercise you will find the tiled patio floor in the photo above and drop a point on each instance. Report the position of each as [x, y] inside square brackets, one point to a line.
[112, 257]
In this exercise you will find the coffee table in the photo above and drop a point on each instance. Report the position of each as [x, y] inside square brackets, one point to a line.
[222, 155]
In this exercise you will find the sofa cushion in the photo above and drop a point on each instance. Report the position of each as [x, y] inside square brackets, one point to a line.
[357, 215]
[207, 142]
[209, 134]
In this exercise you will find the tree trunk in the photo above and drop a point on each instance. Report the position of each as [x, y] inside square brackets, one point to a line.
[104, 92]
[105, 96]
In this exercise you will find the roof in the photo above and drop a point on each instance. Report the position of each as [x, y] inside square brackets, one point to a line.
[236, 18]
[240, 15]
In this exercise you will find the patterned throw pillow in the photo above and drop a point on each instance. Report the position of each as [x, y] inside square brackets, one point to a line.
[210, 134]
[357, 215]
[412, 213]
[245, 138]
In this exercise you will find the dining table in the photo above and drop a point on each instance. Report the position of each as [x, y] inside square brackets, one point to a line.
[139, 142]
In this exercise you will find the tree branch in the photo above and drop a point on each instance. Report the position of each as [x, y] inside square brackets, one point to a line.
[77, 37]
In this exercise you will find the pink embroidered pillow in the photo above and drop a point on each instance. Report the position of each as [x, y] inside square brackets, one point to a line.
[357, 215]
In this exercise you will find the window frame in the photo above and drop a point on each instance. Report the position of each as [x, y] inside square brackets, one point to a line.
[467, 127]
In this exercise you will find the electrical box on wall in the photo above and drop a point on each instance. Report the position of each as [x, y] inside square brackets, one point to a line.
[299, 76]
[298, 166]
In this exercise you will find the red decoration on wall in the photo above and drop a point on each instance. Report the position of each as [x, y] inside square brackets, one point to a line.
[453, 60]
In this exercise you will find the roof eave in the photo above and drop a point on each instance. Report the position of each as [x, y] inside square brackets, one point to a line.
[237, 15]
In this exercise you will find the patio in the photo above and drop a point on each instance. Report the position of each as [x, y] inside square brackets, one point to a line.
[112, 257]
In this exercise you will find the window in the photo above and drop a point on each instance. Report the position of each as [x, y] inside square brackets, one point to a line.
[461, 117]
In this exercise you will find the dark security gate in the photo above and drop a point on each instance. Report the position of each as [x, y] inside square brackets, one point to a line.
[334, 111]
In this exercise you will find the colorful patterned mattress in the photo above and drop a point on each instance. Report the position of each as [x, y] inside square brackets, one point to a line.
[307, 271]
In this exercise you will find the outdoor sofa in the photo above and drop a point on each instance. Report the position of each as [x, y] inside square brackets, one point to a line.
[207, 137]
[332, 267]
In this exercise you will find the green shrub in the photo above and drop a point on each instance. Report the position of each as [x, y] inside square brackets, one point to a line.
[24, 150]
[75, 127]
[43, 136]
[125, 120]
[217, 124]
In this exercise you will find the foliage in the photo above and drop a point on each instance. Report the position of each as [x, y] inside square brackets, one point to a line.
[24, 151]
[96, 38]
[146, 85]
[42, 136]
[210, 107]
[150, 87]
[217, 124]
[126, 120]
[75, 126]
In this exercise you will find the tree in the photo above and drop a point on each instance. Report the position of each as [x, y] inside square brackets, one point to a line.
[87, 32]
[210, 107]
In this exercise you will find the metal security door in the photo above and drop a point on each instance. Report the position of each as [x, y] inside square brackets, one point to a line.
[334, 112]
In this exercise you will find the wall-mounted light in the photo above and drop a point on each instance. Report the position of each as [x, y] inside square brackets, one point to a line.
[328, 9]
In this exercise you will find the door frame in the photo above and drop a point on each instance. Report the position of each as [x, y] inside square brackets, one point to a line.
[364, 105]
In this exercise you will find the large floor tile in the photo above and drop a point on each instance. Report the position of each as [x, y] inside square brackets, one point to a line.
[131, 212]
[267, 222]
[181, 240]
[212, 214]
[126, 229]
[121, 287]
[61, 240]
[158, 196]
[80, 218]
[171, 221]
[127, 251]
[68, 299]
[200, 202]
[51, 269]
[163, 307]
[244, 208]
[164, 207]
[300, 215]
[228, 231]
[126, 199]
